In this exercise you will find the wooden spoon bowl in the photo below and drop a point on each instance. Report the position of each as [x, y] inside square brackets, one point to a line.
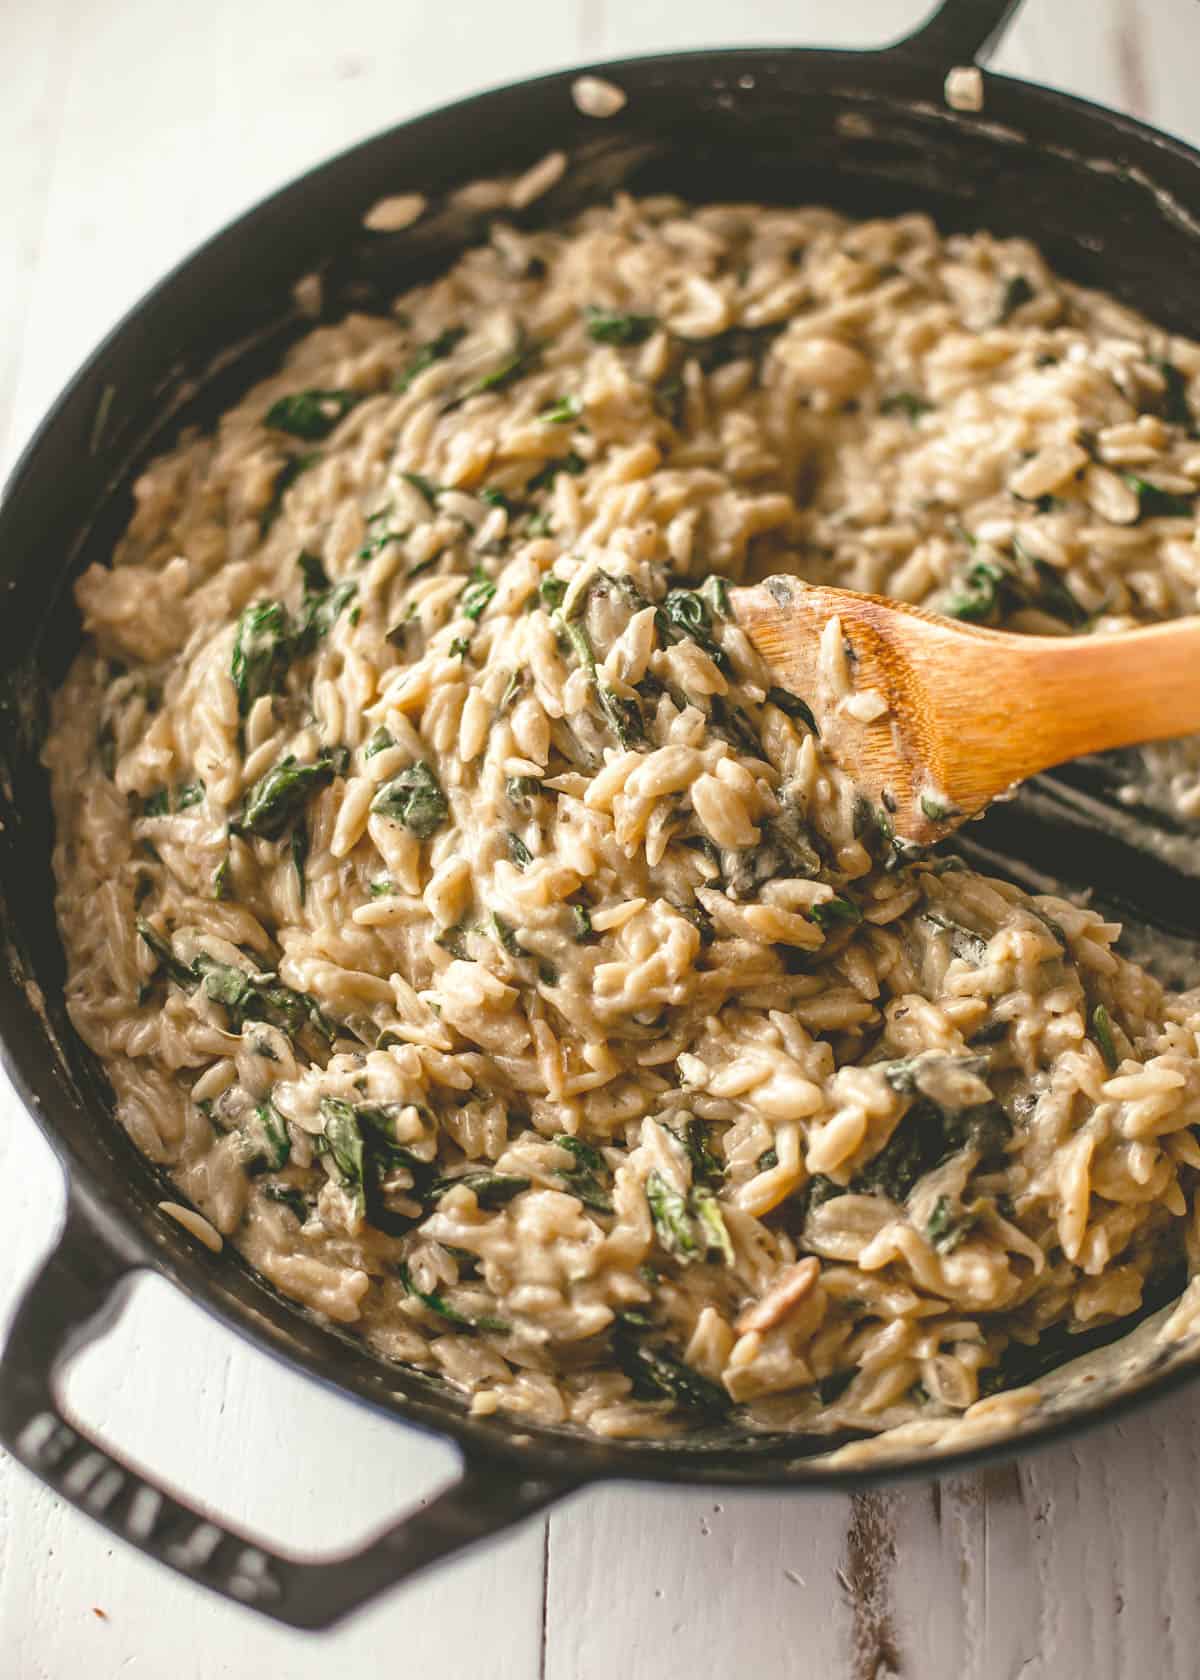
[933, 719]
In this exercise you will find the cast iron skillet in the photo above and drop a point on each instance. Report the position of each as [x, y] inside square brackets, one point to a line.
[867, 132]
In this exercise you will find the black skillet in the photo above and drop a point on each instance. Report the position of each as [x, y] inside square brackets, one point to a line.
[1110, 201]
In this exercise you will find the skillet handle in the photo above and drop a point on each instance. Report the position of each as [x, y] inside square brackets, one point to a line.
[73, 1299]
[958, 32]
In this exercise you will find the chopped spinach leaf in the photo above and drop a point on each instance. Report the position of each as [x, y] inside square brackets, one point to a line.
[287, 475]
[585, 1179]
[672, 1220]
[280, 795]
[222, 880]
[715, 590]
[425, 487]
[521, 791]
[191, 793]
[582, 923]
[518, 851]
[414, 799]
[435, 351]
[320, 612]
[735, 344]
[562, 412]
[1176, 409]
[437, 1305]
[490, 1189]
[1103, 1034]
[262, 652]
[379, 742]
[294, 1200]
[1156, 503]
[793, 706]
[948, 1225]
[312, 414]
[657, 1374]
[936, 810]
[478, 592]
[312, 569]
[551, 590]
[611, 326]
[707, 1210]
[299, 849]
[1017, 291]
[685, 612]
[571, 463]
[906, 403]
[266, 1145]
[504, 935]
[834, 911]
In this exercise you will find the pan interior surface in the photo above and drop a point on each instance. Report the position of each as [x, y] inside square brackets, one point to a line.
[864, 135]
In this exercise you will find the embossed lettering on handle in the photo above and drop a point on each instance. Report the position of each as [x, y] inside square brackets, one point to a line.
[71, 1301]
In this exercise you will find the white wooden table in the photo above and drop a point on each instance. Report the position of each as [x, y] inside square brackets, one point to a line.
[130, 130]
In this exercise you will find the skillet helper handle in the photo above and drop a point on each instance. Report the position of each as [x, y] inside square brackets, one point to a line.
[958, 32]
[73, 1299]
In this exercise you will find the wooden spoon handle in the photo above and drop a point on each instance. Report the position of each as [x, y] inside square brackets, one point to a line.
[1019, 704]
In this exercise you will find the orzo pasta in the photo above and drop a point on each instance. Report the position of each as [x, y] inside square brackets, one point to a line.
[479, 938]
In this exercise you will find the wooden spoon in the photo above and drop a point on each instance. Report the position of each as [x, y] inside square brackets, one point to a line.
[963, 713]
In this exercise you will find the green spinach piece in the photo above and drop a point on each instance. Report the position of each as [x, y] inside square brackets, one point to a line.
[964, 941]
[685, 613]
[289, 471]
[623, 717]
[266, 1145]
[311, 414]
[379, 742]
[247, 997]
[906, 403]
[707, 1210]
[672, 1219]
[299, 849]
[475, 597]
[1103, 1034]
[518, 851]
[436, 350]
[1176, 409]
[1017, 291]
[657, 1374]
[490, 1189]
[562, 412]
[948, 1225]
[435, 1303]
[414, 799]
[295, 1201]
[835, 911]
[706, 1168]
[571, 463]
[735, 344]
[612, 326]
[584, 1179]
[1156, 503]
[262, 652]
[280, 795]
[793, 707]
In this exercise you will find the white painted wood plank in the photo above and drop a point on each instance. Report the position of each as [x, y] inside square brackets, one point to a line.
[657, 1581]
